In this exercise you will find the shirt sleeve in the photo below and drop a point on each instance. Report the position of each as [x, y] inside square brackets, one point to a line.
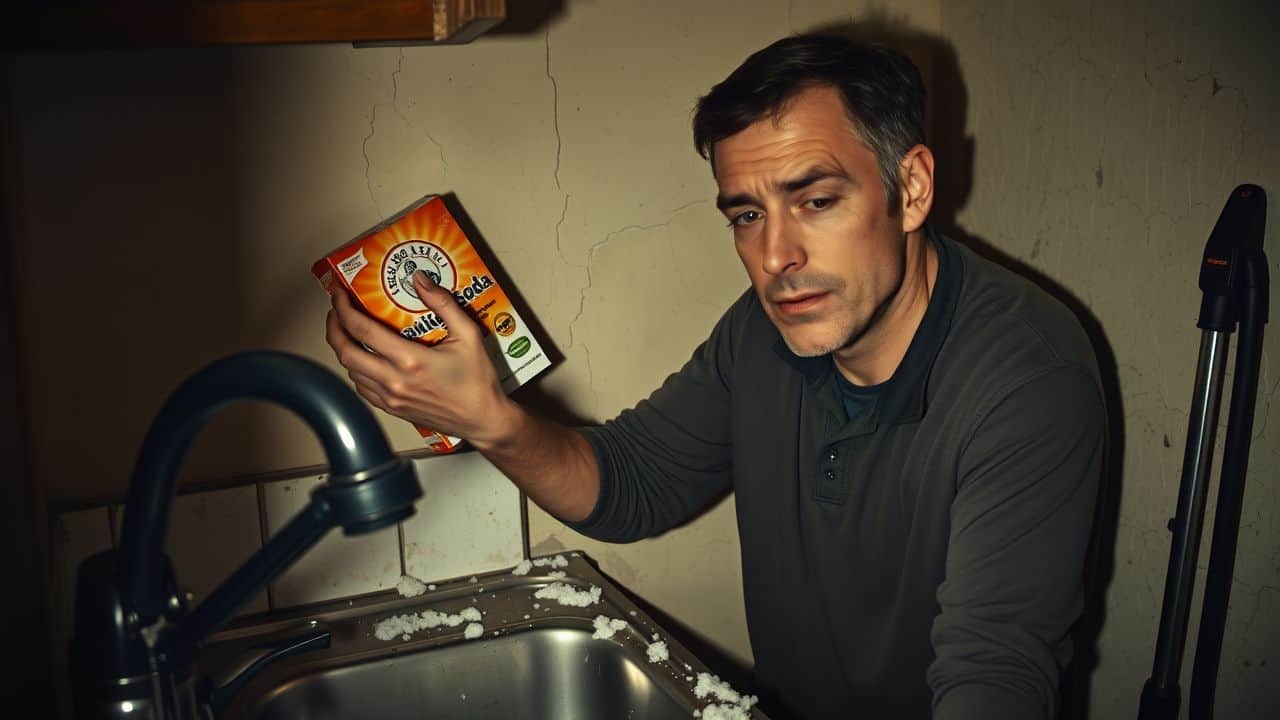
[1020, 525]
[670, 456]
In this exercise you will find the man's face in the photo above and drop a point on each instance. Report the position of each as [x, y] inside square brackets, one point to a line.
[810, 222]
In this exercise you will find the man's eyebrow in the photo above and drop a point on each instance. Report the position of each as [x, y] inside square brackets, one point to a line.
[810, 176]
[723, 202]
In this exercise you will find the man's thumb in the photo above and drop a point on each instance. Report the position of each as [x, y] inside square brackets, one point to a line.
[442, 302]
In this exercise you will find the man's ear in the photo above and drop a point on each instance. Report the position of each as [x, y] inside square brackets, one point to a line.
[916, 173]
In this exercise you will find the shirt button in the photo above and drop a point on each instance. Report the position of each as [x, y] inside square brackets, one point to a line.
[830, 474]
[831, 455]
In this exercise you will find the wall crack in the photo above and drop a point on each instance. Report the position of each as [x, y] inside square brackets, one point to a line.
[582, 293]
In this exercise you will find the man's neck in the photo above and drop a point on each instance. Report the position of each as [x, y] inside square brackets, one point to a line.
[876, 355]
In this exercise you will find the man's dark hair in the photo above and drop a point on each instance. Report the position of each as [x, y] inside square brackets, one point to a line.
[882, 91]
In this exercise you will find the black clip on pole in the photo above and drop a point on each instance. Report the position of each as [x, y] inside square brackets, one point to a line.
[1233, 277]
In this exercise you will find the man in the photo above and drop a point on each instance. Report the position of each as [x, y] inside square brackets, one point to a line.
[913, 435]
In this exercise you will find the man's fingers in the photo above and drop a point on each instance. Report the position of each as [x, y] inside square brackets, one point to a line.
[366, 330]
[350, 353]
[372, 393]
[442, 302]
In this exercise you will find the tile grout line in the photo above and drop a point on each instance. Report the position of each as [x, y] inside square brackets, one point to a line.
[262, 537]
[404, 566]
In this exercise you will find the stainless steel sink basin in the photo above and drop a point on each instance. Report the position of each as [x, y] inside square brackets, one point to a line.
[536, 659]
[545, 673]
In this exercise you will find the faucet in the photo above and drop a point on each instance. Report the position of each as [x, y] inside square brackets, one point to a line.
[135, 641]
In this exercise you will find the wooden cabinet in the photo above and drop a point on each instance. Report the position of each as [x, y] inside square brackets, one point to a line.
[70, 24]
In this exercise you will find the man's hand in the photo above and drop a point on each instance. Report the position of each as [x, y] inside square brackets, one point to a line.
[451, 387]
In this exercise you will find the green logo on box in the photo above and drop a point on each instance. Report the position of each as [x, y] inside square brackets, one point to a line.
[519, 346]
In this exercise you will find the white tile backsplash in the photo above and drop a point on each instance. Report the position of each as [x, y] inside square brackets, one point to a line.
[338, 565]
[212, 534]
[468, 520]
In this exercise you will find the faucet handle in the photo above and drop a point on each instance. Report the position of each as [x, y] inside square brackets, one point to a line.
[218, 690]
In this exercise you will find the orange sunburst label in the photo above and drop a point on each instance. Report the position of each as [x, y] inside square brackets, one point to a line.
[377, 268]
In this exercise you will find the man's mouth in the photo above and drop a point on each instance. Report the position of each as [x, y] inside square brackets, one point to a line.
[799, 304]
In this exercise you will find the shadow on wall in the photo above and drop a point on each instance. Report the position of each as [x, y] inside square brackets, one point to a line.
[946, 105]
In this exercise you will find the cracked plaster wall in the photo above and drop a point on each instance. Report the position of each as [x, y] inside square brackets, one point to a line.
[1107, 137]
[172, 201]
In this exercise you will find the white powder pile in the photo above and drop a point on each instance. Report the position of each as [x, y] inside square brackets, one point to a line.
[606, 627]
[473, 631]
[410, 586]
[404, 625]
[566, 595]
[558, 574]
[716, 711]
[473, 579]
[524, 566]
[733, 706]
[658, 652]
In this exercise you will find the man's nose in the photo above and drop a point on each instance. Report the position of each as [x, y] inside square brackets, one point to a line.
[783, 251]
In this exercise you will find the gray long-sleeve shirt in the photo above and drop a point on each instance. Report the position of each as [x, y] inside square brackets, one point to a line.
[924, 558]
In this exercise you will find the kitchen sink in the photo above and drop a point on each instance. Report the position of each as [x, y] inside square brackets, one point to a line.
[536, 659]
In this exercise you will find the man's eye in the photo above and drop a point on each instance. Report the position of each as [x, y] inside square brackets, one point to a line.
[821, 203]
[745, 218]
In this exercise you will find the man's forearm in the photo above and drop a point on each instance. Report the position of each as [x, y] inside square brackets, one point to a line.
[553, 465]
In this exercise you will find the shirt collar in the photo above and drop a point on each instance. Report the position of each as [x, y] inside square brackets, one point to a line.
[903, 396]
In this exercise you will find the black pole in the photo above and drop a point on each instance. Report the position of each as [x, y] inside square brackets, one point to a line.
[1229, 281]
[1235, 465]
[1161, 695]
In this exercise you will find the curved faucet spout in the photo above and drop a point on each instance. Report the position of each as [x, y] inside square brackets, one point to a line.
[352, 440]
[135, 643]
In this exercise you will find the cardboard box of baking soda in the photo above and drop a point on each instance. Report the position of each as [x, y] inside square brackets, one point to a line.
[377, 269]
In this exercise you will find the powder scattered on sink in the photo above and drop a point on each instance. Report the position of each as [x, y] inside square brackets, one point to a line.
[709, 684]
[606, 627]
[656, 636]
[733, 705]
[431, 587]
[473, 579]
[473, 631]
[658, 652]
[724, 711]
[410, 586]
[404, 625]
[558, 574]
[716, 711]
[536, 606]
[566, 595]
[524, 566]
[526, 617]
